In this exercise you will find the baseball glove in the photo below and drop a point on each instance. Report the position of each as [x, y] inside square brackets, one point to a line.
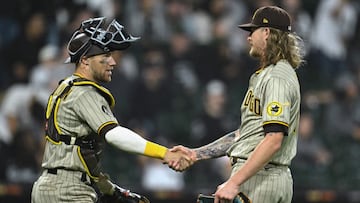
[109, 192]
[240, 198]
[123, 196]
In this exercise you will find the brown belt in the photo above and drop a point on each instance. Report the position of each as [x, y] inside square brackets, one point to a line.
[54, 171]
[234, 160]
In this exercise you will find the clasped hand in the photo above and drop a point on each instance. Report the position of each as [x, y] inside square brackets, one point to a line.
[179, 158]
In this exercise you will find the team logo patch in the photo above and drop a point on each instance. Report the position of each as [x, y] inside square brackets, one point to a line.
[274, 109]
[105, 110]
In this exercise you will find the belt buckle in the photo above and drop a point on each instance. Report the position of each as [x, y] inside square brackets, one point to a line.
[52, 171]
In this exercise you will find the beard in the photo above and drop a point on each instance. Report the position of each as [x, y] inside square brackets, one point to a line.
[254, 53]
[102, 77]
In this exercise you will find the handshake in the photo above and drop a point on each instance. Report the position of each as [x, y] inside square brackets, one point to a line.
[179, 158]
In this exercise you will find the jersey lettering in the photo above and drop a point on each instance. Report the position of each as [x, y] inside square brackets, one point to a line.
[252, 103]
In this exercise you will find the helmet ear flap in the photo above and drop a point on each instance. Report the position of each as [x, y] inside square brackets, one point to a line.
[81, 53]
[78, 46]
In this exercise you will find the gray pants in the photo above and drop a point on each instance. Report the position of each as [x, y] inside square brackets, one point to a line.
[272, 184]
[64, 186]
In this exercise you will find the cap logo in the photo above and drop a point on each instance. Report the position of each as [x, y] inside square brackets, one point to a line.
[101, 36]
[265, 21]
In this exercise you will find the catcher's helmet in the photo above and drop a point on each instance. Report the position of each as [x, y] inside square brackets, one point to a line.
[91, 39]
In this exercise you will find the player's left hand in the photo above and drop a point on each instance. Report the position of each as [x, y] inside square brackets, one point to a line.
[226, 192]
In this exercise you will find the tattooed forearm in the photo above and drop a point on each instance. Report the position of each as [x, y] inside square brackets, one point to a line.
[217, 148]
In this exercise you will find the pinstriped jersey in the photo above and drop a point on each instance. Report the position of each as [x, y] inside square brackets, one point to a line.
[81, 112]
[273, 97]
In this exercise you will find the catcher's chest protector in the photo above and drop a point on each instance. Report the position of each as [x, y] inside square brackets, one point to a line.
[90, 146]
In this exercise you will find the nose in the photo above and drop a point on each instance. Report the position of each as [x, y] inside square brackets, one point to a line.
[249, 38]
[112, 61]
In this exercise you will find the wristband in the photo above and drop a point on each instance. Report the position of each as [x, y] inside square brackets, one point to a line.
[155, 150]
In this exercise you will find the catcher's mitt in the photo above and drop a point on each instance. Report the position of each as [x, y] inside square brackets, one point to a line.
[123, 196]
[240, 198]
[111, 193]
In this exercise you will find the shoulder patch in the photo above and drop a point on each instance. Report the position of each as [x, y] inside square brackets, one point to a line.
[274, 109]
[105, 110]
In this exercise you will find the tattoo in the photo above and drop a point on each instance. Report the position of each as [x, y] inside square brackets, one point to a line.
[217, 148]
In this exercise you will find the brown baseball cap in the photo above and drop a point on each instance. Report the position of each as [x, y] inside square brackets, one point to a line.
[269, 16]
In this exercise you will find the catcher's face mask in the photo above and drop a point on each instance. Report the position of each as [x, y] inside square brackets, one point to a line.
[90, 39]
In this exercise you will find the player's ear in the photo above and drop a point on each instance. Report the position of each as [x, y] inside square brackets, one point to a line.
[266, 32]
[84, 60]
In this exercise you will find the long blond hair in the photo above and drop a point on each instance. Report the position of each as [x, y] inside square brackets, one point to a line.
[284, 45]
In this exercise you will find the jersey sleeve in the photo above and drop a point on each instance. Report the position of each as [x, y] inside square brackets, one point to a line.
[276, 111]
[95, 111]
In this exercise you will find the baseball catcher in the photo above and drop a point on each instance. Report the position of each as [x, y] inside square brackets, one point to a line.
[80, 122]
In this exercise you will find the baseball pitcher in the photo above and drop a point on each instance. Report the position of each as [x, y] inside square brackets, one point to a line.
[262, 148]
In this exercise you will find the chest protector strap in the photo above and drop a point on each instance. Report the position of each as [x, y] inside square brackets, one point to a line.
[90, 146]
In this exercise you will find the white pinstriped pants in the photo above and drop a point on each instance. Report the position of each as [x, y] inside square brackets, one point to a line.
[271, 185]
[65, 186]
